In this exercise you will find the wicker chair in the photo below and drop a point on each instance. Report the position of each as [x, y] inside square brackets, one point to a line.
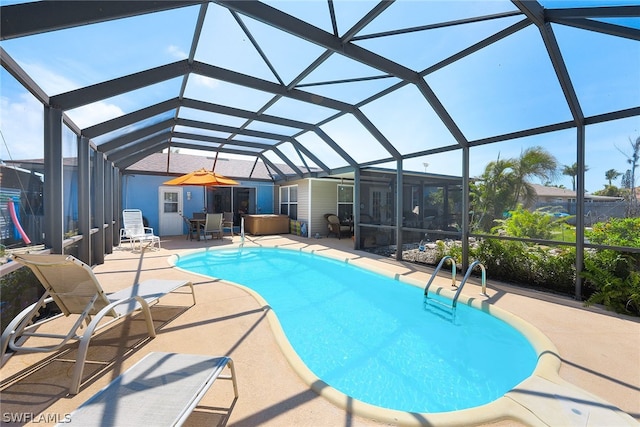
[334, 226]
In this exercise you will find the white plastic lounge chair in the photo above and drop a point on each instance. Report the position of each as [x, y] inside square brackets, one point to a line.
[162, 389]
[71, 284]
[136, 233]
[212, 225]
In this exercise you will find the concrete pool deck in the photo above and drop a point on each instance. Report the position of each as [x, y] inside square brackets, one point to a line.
[599, 351]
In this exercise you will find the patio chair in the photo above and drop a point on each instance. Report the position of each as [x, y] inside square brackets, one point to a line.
[72, 285]
[212, 225]
[134, 230]
[335, 227]
[227, 221]
[193, 228]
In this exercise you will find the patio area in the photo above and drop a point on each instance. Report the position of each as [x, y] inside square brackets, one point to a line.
[599, 350]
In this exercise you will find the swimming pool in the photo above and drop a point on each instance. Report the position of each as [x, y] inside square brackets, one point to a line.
[368, 335]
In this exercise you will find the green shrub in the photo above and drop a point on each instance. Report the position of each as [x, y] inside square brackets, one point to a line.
[616, 232]
[441, 250]
[505, 260]
[534, 266]
[554, 268]
[539, 224]
[613, 277]
[523, 223]
[616, 280]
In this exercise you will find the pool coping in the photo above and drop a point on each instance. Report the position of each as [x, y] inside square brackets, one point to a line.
[544, 398]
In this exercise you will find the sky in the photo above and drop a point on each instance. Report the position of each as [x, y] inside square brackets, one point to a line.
[506, 87]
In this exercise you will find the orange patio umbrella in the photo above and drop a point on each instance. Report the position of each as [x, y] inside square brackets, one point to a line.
[201, 177]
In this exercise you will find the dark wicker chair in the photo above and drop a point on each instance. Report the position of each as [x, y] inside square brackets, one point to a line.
[335, 227]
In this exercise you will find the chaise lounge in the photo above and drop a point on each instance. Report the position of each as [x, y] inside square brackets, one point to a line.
[72, 285]
[162, 389]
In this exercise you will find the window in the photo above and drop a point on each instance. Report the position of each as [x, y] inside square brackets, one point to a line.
[170, 202]
[289, 201]
[345, 202]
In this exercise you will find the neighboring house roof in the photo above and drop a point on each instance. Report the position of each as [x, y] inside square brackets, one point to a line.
[544, 191]
[563, 193]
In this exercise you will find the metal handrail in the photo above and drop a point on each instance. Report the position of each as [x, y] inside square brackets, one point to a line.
[242, 231]
[462, 283]
[435, 273]
[464, 280]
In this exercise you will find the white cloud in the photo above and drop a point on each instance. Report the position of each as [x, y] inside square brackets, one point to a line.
[21, 123]
[204, 81]
[48, 80]
[176, 52]
[92, 114]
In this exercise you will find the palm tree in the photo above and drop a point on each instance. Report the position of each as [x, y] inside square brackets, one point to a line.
[572, 171]
[633, 160]
[494, 192]
[505, 183]
[611, 174]
[533, 162]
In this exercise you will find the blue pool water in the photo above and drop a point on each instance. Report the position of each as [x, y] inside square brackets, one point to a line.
[370, 337]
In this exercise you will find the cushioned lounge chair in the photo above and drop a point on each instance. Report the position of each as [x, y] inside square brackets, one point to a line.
[71, 284]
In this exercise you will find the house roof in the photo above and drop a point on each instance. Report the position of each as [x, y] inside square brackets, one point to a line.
[544, 191]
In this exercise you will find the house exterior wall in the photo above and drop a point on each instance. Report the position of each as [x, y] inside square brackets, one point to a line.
[316, 197]
[265, 198]
[325, 200]
[303, 198]
[141, 192]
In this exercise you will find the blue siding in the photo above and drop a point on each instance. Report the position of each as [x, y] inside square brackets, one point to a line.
[264, 195]
[141, 192]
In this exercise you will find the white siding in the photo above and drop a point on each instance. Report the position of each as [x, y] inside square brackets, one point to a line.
[303, 198]
[325, 200]
[316, 197]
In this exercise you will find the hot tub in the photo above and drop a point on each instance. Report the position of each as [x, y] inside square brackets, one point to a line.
[266, 224]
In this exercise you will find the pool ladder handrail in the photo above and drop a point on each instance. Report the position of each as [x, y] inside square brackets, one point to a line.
[462, 283]
[435, 273]
[466, 276]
